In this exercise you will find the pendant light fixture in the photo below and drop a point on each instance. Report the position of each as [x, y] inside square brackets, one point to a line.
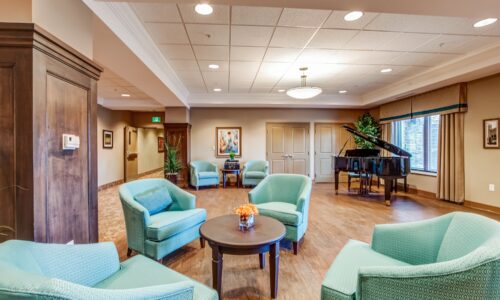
[304, 91]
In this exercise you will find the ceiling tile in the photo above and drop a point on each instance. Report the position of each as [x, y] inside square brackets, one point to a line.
[212, 52]
[423, 59]
[408, 41]
[318, 56]
[370, 40]
[296, 17]
[167, 33]
[251, 15]
[332, 38]
[177, 51]
[243, 71]
[291, 37]
[184, 65]
[281, 54]
[269, 73]
[259, 90]
[203, 34]
[251, 35]
[336, 20]
[247, 53]
[239, 89]
[157, 12]
[457, 44]
[223, 65]
[220, 14]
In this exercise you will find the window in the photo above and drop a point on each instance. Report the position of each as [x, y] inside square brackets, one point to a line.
[420, 137]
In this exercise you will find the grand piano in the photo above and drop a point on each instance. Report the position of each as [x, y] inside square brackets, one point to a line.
[369, 162]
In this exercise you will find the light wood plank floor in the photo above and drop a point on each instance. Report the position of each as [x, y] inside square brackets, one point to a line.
[333, 220]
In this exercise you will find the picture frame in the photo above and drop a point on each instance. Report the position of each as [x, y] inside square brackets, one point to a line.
[227, 140]
[490, 134]
[161, 144]
[107, 139]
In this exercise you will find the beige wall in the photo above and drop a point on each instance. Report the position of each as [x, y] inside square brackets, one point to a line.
[253, 123]
[144, 119]
[482, 166]
[147, 147]
[177, 115]
[110, 161]
[15, 11]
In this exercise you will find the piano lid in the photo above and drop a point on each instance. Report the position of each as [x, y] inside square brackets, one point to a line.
[378, 142]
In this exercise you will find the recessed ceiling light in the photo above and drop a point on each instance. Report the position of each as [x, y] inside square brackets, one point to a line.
[485, 22]
[281, 91]
[203, 9]
[213, 66]
[217, 90]
[353, 16]
[342, 91]
[125, 95]
[388, 70]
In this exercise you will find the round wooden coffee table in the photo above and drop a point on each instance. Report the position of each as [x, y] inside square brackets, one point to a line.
[225, 237]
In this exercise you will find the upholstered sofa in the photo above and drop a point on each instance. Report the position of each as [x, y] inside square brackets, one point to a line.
[455, 256]
[31, 270]
[203, 173]
[285, 197]
[254, 171]
[159, 216]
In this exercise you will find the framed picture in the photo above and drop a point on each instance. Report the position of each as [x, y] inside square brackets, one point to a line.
[161, 144]
[107, 139]
[228, 139]
[490, 134]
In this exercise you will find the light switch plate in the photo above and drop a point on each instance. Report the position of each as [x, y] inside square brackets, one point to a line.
[491, 187]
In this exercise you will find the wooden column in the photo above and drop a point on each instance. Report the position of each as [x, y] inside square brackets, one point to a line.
[180, 132]
[47, 89]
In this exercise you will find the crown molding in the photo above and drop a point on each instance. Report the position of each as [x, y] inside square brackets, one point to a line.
[121, 19]
[130, 104]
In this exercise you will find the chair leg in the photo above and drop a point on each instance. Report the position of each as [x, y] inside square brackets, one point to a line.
[197, 187]
[202, 242]
[129, 252]
[295, 247]
[160, 260]
[348, 183]
[406, 185]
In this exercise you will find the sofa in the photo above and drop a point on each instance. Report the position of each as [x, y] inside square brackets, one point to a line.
[455, 256]
[254, 171]
[160, 217]
[203, 173]
[285, 197]
[30, 270]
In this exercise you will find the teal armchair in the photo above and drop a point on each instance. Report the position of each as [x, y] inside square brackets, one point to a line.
[285, 197]
[254, 171]
[455, 256]
[160, 217]
[31, 270]
[203, 173]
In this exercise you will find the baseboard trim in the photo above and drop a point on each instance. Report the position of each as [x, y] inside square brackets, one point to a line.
[150, 172]
[481, 206]
[110, 184]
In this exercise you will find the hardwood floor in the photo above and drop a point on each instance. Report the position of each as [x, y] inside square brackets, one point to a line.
[333, 220]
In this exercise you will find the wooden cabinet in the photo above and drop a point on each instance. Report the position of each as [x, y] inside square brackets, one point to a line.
[47, 89]
[181, 133]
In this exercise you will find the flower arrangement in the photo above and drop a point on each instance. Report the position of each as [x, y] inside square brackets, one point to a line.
[246, 213]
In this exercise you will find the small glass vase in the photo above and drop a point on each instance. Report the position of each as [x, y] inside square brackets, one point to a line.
[246, 222]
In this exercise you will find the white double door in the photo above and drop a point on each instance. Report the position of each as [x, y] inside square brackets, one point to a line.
[287, 148]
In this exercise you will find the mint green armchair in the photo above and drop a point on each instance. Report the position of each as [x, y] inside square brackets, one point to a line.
[31, 270]
[254, 171]
[285, 197]
[160, 217]
[455, 256]
[203, 173]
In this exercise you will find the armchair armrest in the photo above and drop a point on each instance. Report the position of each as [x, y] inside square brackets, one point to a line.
[259, 194]
[304, 197]
[182, 199]
[213, 167]
[414, 242]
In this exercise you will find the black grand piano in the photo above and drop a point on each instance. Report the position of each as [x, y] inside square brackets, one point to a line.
[369, 162]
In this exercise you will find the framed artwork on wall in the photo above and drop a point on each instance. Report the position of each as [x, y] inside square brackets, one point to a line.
[107, 139]
[228, 140]
[490, 134]
[161, 144]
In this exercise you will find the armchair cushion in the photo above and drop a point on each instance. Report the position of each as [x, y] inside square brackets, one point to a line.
[342, 278]
[206, 175]
[154, 200]
[140, 271]
[255, 174]
[286, 213]
[169, 223]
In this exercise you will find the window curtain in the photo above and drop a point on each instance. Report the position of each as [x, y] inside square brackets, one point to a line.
[386, 135]
[451, 174]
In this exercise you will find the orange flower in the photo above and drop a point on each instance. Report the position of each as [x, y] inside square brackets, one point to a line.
[246, 210]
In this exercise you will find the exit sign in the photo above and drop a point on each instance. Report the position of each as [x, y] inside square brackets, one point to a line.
[156, 119]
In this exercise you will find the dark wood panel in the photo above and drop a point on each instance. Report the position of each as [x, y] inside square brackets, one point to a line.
[7, 153]
[67, 170]
[181, 131]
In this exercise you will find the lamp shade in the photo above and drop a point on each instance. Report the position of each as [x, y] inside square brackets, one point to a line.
[304, 92]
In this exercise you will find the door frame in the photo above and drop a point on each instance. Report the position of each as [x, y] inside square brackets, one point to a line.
[125, 139]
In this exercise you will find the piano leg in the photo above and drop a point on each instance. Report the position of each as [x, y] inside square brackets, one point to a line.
[388, 188]
[336, 183]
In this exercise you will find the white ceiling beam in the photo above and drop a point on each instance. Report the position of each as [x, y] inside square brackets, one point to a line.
[130, 104]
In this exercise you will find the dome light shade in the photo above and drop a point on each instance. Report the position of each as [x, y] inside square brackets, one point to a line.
[304, 92]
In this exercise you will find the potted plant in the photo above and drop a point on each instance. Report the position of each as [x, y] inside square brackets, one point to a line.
[231, 155]
[368, 125]
[172, 164]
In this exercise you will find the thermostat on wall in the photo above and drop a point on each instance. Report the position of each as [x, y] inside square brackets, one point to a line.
[70, 142]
